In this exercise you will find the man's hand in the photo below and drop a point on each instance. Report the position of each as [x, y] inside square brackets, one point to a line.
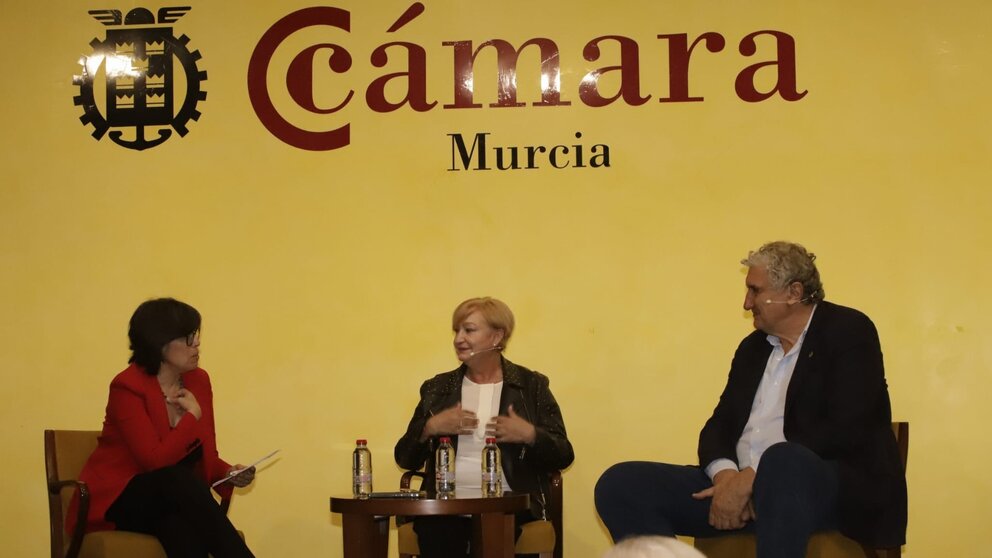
[749, 514]
[731, 493]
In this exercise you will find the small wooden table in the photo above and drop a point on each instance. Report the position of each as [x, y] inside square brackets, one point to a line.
[366, 522]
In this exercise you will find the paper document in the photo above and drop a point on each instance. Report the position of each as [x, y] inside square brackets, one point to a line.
[237, 472]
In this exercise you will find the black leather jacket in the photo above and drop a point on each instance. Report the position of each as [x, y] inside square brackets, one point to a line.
[526, 467]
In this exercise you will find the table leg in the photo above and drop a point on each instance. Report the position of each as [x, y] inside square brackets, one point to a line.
[492, 535]
[365, 536]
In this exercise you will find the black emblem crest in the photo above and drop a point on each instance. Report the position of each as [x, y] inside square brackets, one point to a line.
[137, 60]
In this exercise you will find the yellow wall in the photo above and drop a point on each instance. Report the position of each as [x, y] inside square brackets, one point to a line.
[327, 278]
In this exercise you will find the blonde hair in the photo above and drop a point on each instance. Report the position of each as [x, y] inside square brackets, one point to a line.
[653, 547]
[496, 313]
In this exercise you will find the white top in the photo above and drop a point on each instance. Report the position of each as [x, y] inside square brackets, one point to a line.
[765, 424]
[483, 400]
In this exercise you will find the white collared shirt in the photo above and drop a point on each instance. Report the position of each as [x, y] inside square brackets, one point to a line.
[765, 424]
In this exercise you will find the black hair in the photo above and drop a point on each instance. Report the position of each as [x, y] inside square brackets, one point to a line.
[154, 324]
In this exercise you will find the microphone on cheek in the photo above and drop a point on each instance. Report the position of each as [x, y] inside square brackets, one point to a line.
[493, 348]
[770, 301]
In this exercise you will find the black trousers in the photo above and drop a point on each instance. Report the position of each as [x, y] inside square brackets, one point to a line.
[794, 494]
[176, 507]
[450, 536]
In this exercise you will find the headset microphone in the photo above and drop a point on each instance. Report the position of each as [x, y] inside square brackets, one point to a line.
[770, 301]
[493, 348]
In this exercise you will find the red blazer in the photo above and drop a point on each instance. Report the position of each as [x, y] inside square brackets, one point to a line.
[137, 438]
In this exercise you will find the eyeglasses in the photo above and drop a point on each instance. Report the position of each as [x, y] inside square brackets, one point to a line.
[193, 338]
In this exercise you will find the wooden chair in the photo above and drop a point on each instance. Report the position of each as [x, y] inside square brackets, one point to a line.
[66, 451]
[821, 545]
[544, 538]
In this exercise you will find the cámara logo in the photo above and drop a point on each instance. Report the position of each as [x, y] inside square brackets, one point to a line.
[405, 74]
[139, 83]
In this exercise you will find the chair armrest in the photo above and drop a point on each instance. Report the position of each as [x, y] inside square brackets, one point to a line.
[405, 485]
[55, 488]
[407, 476]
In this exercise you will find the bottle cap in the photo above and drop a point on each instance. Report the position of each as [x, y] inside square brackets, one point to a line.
[490, 440]
[361, 442]
[445, 440]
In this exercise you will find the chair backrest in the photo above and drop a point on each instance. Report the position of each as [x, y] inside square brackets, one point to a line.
[901, 430]
[66, 451]
[557, 512]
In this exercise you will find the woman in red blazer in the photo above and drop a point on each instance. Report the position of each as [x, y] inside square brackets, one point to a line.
[157, 454]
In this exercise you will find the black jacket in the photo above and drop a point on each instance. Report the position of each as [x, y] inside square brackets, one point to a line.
[526, 467]
[837, 405]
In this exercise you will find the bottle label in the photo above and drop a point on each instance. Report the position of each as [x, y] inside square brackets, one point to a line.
[445, 476]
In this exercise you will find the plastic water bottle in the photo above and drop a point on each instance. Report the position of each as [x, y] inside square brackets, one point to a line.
[361, 470]
[444, 469]
[492, 482]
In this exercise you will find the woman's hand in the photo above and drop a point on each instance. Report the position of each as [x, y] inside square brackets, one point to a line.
[186, 401]
[242, 479]
[450, 422]
[512, 428]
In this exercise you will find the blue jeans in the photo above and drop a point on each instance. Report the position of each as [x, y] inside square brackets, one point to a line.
[794, 495]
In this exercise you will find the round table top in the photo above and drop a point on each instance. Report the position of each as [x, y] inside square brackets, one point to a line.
[508, 503]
